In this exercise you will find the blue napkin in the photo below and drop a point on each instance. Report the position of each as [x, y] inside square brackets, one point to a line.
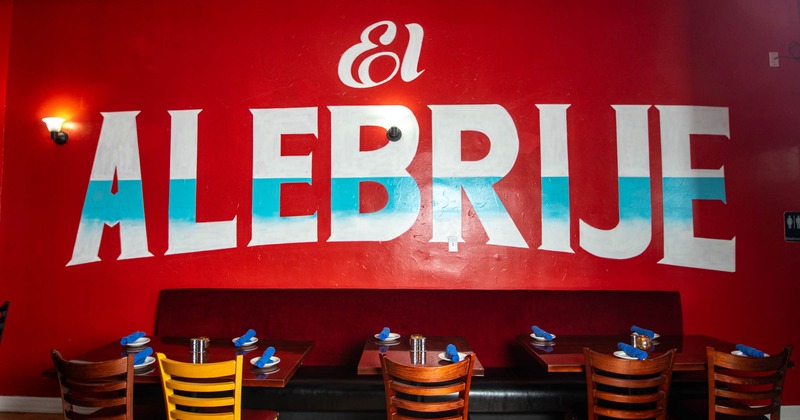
[541, 333]
[749, 351]
[131, 338]
[451, 353]
[632, 351]
[384, 333]
[642, 331]
[245, 338]
[141, 356]
[266, 358]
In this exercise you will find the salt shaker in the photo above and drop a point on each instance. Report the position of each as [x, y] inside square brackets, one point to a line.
[417, 344]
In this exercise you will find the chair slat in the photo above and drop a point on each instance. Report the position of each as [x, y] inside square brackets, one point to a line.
[746, 411]
[625, 414]
[94, 416]
[201, 402]
[427, 391]
[200, 370]
[428, 407]
[186, 415]
[751, 395]
[630, 383]
[402, 417]
[629, 399]
[94, 401]
[438, 374]
[729, 377]
[94, 386]
[178, 385]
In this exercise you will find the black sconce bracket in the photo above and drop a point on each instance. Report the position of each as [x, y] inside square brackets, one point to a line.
[394, 134]
[59, 137]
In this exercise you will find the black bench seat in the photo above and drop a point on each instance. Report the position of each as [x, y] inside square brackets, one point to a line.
[325, 391]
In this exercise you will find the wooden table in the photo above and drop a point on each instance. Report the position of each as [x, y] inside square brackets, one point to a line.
[400, 351]
[566, 354]
[291, 353]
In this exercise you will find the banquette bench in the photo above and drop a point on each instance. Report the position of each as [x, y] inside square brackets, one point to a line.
[340, 320]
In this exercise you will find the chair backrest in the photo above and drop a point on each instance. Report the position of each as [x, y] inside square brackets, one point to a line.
[202, 390]
[746, 386]
[411, 390]
[3, 312]
[104, 389]
[627, 389]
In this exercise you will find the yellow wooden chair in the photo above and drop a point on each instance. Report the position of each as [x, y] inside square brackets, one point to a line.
[194, 391]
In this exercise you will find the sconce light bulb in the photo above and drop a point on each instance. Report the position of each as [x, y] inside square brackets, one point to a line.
[53, 123]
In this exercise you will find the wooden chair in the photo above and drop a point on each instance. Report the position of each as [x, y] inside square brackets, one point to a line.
[98, 390]
[414, 390]
[194, 391]
[745, 386]
[3, 312]
[628, 389]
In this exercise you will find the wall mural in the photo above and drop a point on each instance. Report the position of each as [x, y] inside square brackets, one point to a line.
[641, 146]
[114, 193]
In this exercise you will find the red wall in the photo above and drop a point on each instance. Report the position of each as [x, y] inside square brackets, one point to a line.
[154, 57]
[5, 33]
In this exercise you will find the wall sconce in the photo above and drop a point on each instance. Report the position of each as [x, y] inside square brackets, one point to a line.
[54, 126]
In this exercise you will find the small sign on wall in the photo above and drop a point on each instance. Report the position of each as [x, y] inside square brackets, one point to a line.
[791, 224]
